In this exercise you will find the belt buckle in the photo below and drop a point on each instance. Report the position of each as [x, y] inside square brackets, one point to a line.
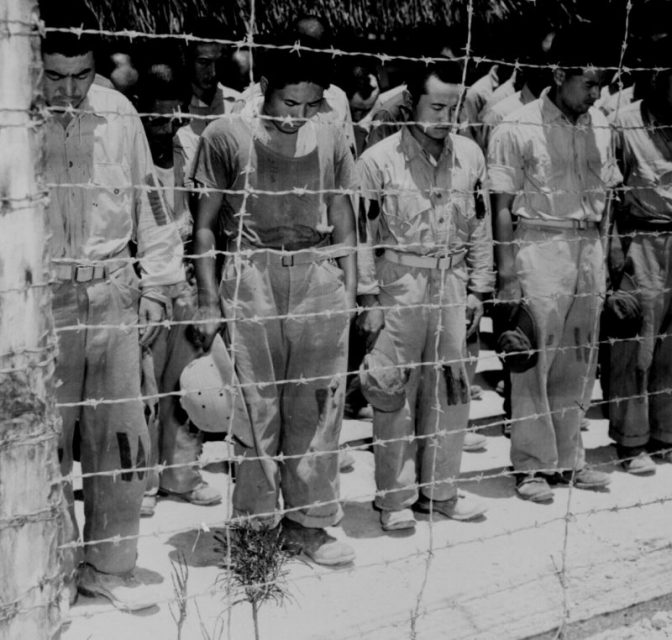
[287, 260]
[83, 273]
[581, 225]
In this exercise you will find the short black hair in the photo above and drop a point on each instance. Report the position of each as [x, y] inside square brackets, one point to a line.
[159, 82]
[281, 67]
[449, 71]
[70, 14]
[356, 78]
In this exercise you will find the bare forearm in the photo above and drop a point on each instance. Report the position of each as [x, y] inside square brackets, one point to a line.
[204, 242]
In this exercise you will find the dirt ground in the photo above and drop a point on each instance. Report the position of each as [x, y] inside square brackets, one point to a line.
[522, 570]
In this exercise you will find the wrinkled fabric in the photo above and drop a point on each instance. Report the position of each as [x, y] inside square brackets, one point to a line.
[272, 355]
[562, 276]
[103, 364]
[641, 370]
[103, 191]
[416, 205]
[555, 169]
[428, 430]
[173, 441]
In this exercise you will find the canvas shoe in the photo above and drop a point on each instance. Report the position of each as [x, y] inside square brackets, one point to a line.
[461, 507]
[202, 495]
[534, 488]
[640, 465]
[474, 442]
[124, 591]
[317, 544]
[397, 520]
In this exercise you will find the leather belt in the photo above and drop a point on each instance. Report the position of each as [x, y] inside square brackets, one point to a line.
[425, 262]
[559, 224]
[302, 256]
[83, 273]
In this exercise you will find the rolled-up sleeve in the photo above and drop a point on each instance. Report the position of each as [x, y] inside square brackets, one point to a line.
[505, 160]
[480, 260]
[368, 215]
[160, 249]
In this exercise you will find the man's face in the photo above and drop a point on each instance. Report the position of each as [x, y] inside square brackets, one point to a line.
[579, 92]
[67, 80]
[206, 59]
[437, 108]
[296, 103]
[360, 107]
[160, 129]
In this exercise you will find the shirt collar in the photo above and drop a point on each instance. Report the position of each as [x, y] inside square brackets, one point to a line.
[413, 149]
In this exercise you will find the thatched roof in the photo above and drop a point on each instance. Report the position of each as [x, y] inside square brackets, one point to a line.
[370, 18]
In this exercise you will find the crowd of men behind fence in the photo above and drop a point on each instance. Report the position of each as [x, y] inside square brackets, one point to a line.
[232, 257]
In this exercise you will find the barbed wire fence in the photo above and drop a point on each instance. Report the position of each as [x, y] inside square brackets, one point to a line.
[27, 362]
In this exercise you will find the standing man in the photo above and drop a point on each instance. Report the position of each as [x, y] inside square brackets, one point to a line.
[640, 409]
[209, 99]
[551, 165]
[421, 200]
[287, 288]
[173, 441]
[100, 170]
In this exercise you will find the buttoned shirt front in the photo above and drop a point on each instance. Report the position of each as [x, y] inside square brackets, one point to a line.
[420, 205]
[644, 149]
[555, 169]
[103, 190]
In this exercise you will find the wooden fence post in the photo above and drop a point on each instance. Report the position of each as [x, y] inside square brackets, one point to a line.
[31, 500]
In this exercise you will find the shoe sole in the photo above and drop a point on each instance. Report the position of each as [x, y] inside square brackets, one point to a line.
[647, 471]
[591, 486]
[121, 606]
[480, 447]
[197, 503]
[329, 563]
[401, 526]
[536, 499]
[459, 518]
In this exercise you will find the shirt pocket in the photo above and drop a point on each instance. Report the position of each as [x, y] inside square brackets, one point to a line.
[111, 189]
[403, 207]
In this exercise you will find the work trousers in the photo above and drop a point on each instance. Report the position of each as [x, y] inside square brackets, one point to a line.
[640, 403]
[427, 325]
[101, 361]
[173, 441]
[293, 366]
[562, 275]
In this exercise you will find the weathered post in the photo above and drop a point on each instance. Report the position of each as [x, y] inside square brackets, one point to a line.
[31, 500]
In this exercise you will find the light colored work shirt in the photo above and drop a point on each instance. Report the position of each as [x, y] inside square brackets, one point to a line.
[609, 103]
[416, 204]
[502, 92]
[644, 150]
[555, 169]
[234, 155]
[102, 190]
[494, 114]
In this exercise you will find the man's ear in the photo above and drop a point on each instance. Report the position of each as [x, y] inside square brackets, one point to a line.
[559, 76]
[263, 84]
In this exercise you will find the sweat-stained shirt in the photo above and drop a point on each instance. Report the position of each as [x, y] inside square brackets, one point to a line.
[644, 150]
[234, 155]
[555, 169]
[103, 190]
[416, 204]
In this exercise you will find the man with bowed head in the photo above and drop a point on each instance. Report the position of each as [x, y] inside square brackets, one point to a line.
[103, 200]
[551, 166]
[421, 199]
[287, 288]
